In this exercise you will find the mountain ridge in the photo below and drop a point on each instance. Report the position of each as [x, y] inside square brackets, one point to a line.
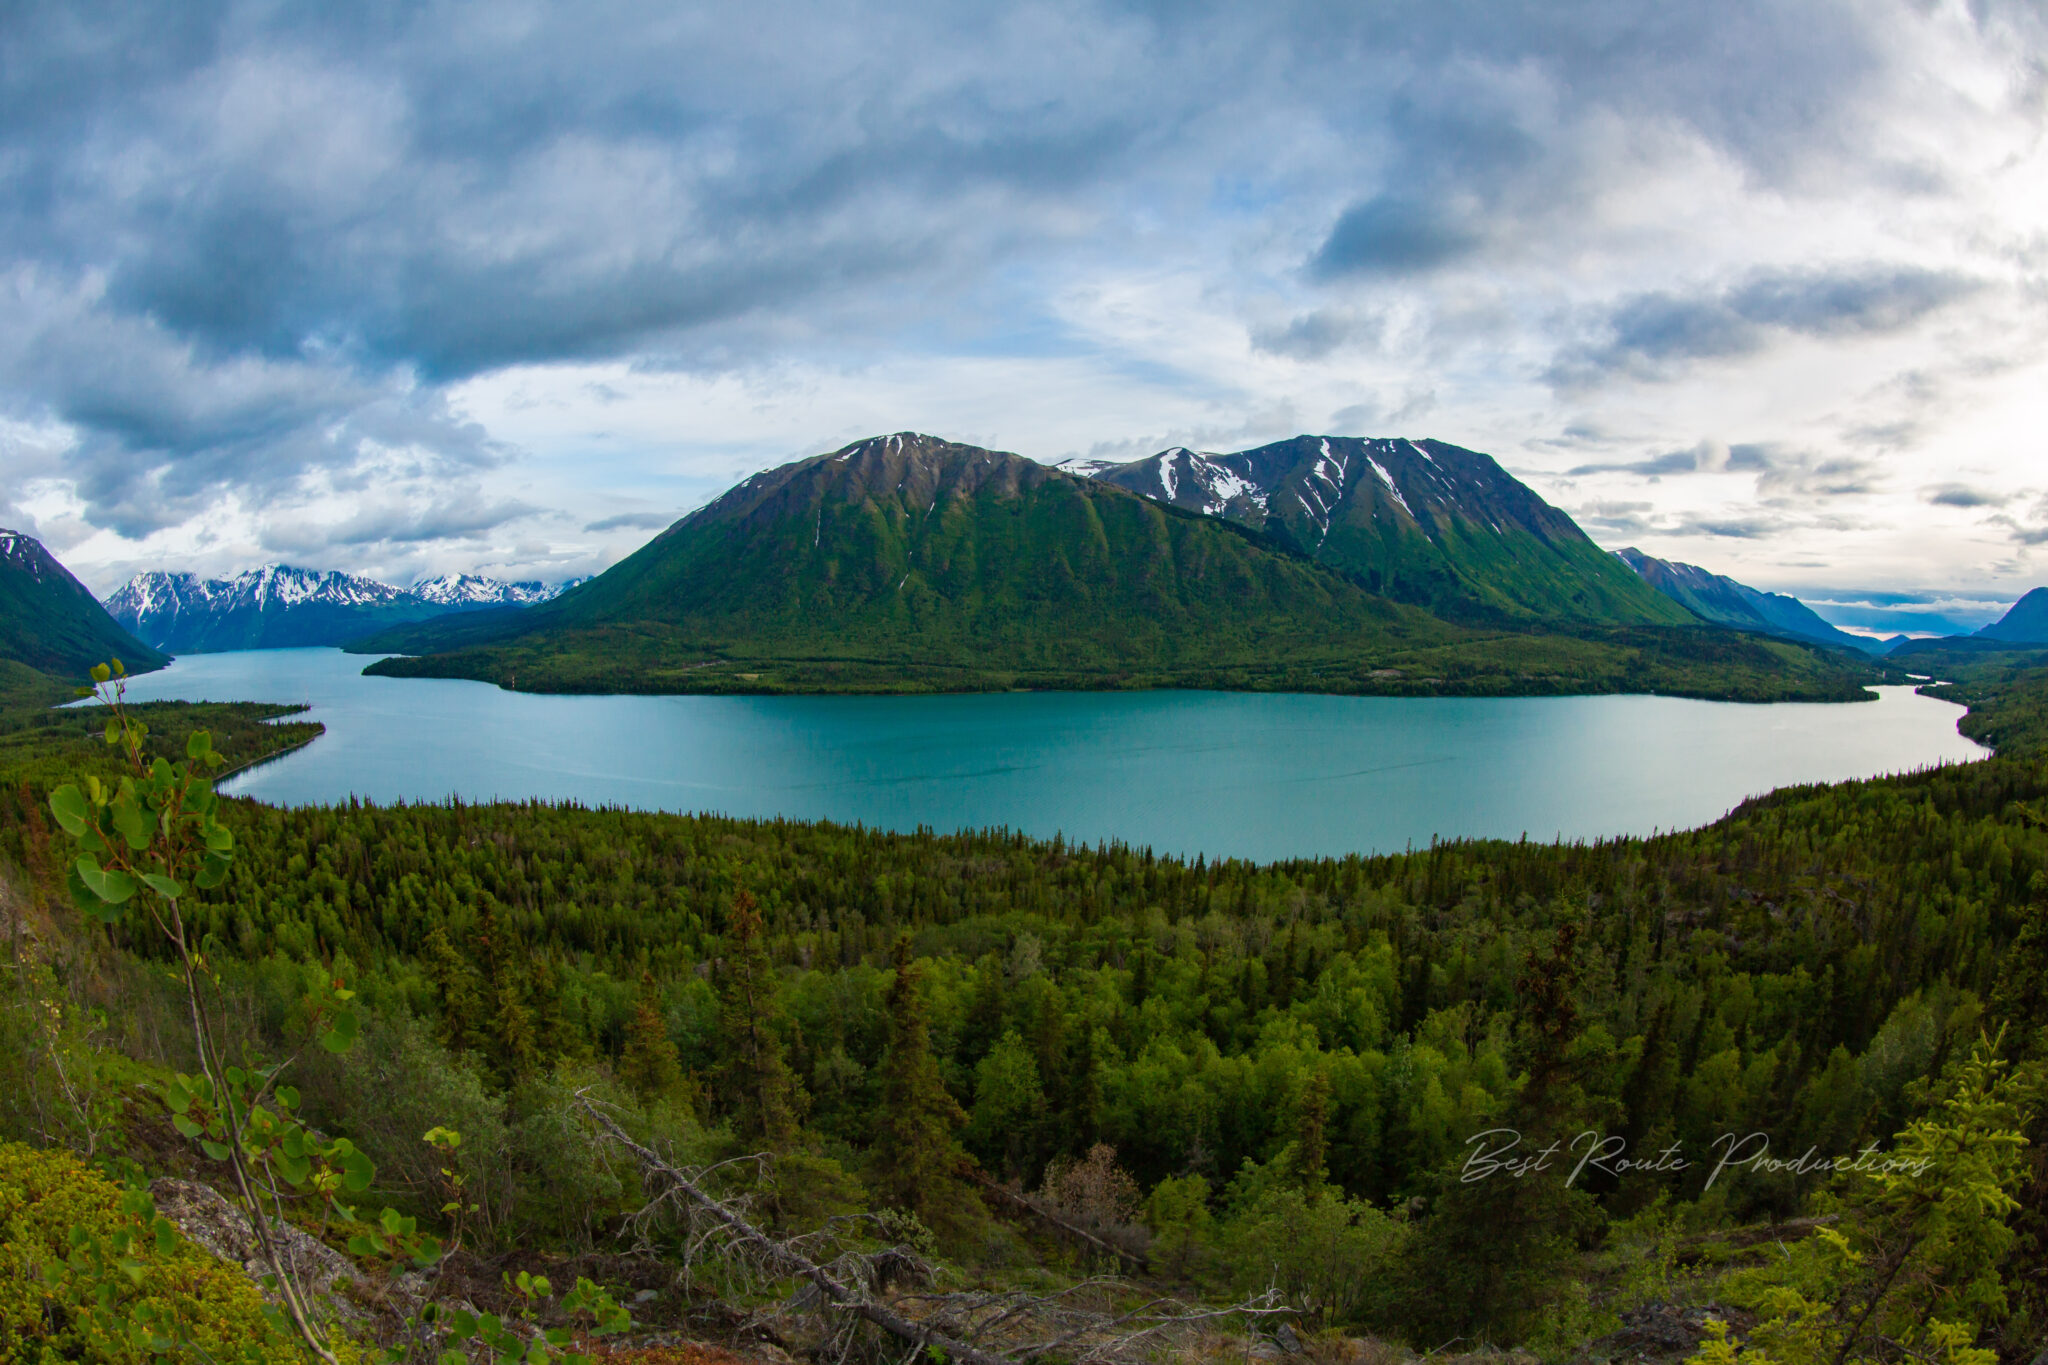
[280, 606]
[1723, 601]
[1422, 521]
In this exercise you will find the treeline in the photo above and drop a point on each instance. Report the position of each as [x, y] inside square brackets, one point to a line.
[1795, 965]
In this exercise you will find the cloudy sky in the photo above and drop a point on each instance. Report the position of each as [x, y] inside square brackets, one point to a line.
[504, 287]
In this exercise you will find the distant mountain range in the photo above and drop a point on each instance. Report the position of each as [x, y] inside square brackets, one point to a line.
[51, 628]
[1419, 521]
[1720, 599]
[277, 606]
[908, 562]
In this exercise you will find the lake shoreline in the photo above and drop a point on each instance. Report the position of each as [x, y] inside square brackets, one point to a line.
[1262, 776]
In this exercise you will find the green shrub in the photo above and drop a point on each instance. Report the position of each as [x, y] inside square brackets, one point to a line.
[85, 1275]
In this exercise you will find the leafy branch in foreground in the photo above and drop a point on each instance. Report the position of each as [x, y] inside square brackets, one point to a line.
[150, 838]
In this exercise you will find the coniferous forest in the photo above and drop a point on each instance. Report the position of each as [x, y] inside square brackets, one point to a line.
[1038, 1063]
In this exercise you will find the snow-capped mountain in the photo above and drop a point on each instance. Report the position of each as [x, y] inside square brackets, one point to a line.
[460, 590]
[278, 606]
[1420, 520]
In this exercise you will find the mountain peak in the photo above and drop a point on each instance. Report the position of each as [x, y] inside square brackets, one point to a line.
[1415, 518]
[2026, 622]
[24, 552]
[906, 467]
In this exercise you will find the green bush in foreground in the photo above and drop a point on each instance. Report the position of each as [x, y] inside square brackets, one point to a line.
[89, 1273]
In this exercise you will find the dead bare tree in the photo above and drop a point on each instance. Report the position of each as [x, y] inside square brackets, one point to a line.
[1037, 1209]
[1099, 1321]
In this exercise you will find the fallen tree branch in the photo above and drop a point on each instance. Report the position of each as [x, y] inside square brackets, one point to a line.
[851, 1297]
[974, 1328]
[1030, 1205]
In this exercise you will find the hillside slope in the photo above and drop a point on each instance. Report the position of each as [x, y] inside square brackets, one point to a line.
[1420, 521]
[2026, 622]
[51, 625]
[907, 562]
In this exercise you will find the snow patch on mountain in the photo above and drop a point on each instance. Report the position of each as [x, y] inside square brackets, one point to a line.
[23, 552]
[1387, 480]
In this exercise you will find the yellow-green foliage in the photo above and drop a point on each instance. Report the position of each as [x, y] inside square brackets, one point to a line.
[62, 1302]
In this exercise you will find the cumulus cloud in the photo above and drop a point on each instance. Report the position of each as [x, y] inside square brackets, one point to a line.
[1397, 234]
[1656, 466]
[1782, 472]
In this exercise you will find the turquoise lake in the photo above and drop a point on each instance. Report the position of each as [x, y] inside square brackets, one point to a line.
[1223, 774]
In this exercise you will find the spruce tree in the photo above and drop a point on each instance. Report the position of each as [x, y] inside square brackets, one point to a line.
[1311, 1139]
[760, 1096]
[649, 1063]
[1493, 1254]
[763, 1102]
[918, 1161]
[454, 980]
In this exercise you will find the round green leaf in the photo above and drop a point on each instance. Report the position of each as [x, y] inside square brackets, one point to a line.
[341, 1035]
[211, 873]
[110, 884]
[68, 804]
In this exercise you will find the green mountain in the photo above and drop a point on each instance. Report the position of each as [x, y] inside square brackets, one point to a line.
[909, 563]
[51, 626]
[911, 552]
[1421, 521]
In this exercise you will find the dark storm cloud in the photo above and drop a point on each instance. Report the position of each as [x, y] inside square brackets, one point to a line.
[1671, 462]
[1316, 334]
[247, 243]
[1653, 336]
[1963, 495]
[1395, 235]
[631, 521]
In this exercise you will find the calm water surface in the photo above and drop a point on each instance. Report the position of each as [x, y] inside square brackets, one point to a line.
[1218, 773]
